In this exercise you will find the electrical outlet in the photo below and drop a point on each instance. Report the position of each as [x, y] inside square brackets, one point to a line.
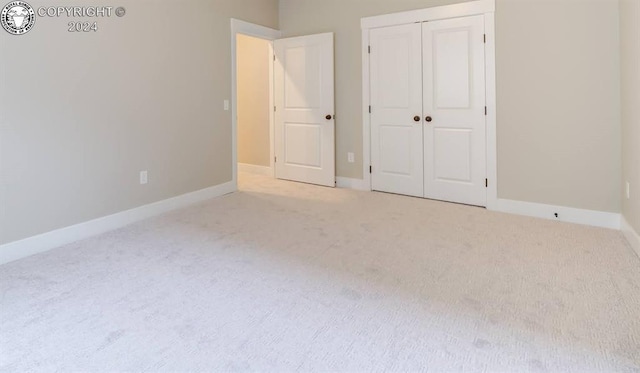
[351, 157]
[144, 177]
[628, 190]
[226, 105]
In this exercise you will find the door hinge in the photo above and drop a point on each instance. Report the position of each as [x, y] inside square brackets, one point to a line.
[369, 109]
[486, 183]
[369, 49]
[370, 169]
[275, 159]
[274, 57]
[485, 38]
[274, 109]
[485, 111]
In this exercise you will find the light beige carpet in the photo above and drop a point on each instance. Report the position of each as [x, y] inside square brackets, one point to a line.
[292, 277]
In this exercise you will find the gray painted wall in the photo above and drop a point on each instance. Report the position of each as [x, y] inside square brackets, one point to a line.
[558, 96]
[82, 114]
[630, 42]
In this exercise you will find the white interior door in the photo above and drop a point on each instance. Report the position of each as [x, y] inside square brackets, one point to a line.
[454, 110]
[304, 99]
[396, 109]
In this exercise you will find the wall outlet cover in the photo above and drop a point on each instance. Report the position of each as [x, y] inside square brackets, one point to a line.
[144, 177]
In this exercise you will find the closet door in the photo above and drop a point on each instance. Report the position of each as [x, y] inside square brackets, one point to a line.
[396, 112]
[454, 110]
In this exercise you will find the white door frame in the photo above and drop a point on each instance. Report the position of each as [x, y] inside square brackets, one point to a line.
[479, 7]
[250, 29]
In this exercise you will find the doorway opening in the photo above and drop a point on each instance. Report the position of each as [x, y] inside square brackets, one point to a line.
[295, 97]
[252, 98]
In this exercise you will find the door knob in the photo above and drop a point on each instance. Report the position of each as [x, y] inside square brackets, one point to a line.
[428, 119]
[328, 117]
[416, 118]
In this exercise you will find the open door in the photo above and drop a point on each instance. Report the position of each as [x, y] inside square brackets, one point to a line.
[304, 104]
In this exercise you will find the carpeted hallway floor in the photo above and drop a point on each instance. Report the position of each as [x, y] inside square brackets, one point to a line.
[291, 277]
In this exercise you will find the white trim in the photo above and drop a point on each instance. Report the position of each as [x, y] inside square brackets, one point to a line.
[632, 236]
[349, 183]
[272, 116]
[366, 115]
[566, 214]
[51, 240]
[250, 29]
[492, 107]
[254, 169]
[470, 8]
[480, 7]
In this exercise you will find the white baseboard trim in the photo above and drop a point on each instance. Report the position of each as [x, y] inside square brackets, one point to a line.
[567, 214]
[349, 183]
[256, 170]
[44, 242]
[632, 236]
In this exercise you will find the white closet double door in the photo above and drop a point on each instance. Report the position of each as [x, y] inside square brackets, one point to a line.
[428, 135]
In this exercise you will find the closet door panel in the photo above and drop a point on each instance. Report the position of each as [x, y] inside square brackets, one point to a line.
[396, 116]
[454, 105]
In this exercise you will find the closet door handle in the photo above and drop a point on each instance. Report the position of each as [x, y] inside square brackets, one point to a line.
[328, 117]
[428, 119]
[416, 118]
